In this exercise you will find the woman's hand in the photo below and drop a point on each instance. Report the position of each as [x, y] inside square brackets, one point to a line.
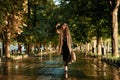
[58, 24]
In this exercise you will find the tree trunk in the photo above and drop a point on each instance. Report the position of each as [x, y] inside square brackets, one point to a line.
[3, 49]
[115, 32]
[7, 45]
[104, 47]
[87, 48]
[108, 47]
[94, 46]
[99, 42]
[114, 6]
[28, 25]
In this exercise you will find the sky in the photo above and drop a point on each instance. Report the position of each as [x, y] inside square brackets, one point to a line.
[56, 2]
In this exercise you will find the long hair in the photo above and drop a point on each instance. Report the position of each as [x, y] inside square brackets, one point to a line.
[66, 31]
[65, 34]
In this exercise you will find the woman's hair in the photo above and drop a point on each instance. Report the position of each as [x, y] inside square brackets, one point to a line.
[66, 31]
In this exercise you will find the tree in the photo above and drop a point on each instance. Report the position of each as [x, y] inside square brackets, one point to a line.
[87, 19]
[114, 7]
[78, 18]
[101, 23]
[12, 19]
[40, 20]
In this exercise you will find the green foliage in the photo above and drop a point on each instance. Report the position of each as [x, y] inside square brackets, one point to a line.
[40, 27]
[102, 19]
[11, 13]
[86, 19]
[74, 13]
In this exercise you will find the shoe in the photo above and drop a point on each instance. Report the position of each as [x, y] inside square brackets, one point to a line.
[66, 75]
[66, 68]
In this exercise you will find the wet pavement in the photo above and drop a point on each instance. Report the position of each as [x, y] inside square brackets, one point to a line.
[50, 67]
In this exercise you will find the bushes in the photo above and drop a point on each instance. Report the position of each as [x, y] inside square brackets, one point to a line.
[112, 60]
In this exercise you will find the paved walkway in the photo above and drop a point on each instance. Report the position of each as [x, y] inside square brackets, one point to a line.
[50, 67]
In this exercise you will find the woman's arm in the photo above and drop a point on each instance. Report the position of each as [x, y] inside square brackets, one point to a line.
[57, 31]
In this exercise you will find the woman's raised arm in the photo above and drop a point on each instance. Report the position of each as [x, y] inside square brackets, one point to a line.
[57, 31]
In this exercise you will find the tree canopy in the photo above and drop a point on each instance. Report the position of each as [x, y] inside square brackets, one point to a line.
[31, 21]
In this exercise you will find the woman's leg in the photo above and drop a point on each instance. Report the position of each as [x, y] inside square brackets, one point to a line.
[66, 65]
[66, 53]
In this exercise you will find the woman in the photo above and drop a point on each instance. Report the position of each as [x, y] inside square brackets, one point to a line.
[65, 43]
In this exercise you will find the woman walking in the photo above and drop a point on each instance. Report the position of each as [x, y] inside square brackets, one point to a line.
[64, 43]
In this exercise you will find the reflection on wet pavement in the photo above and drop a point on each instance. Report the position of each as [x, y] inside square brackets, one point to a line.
[50, 67]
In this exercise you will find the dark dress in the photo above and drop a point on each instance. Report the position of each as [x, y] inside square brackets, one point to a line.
[65, 51]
